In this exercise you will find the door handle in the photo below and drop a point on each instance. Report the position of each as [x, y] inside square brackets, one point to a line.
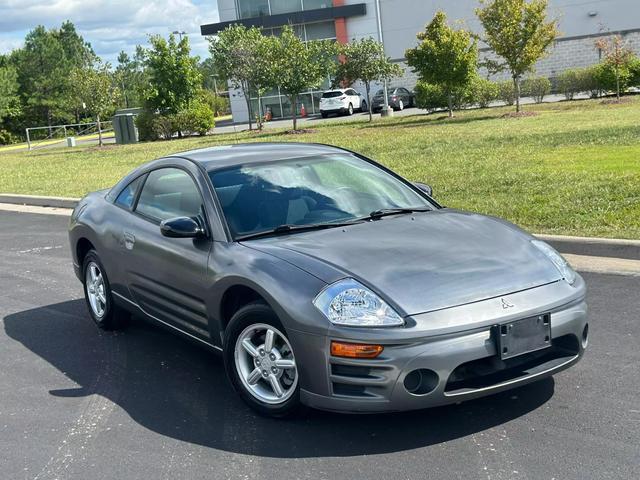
[129, 240]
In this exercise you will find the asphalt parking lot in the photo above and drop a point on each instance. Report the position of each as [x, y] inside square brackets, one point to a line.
[77, 403]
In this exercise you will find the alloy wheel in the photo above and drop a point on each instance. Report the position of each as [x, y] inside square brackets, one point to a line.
[96, 289]
[265, 363]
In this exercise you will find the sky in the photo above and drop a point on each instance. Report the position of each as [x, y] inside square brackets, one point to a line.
[109, 25]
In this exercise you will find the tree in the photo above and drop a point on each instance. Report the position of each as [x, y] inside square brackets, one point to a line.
[617, 57]
[519, 32]
[174, 79]
[9, 100]
[302, 66]
[97, 91]
[43, 67]
[246, 58]
[132, 77]
[445, 57]
[365, 60]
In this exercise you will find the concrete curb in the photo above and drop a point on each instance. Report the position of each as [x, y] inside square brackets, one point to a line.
[588, 240]
[38, 201]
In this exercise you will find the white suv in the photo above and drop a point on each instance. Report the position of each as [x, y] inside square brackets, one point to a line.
[342, 101]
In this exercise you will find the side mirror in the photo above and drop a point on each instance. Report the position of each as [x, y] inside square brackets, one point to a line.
[424, 187]
[181, 227]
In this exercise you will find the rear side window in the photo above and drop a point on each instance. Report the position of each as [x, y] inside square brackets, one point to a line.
[331, 94]
[169, 193]
[128, 194]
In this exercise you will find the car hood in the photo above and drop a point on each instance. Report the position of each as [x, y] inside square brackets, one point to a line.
[421, 262]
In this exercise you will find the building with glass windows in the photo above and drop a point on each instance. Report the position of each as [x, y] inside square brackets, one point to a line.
[342, 20]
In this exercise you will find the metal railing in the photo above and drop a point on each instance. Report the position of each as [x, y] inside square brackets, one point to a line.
[61, 132]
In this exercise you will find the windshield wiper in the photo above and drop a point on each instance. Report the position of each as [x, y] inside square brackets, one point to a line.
[288, 228]
[394, 211]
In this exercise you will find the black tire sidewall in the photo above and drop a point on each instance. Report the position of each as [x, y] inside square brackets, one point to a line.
[243, 318]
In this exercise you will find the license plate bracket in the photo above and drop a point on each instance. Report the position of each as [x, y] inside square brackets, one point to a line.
[522, 336]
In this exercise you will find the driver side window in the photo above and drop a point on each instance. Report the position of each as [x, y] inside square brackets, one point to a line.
[169, 193]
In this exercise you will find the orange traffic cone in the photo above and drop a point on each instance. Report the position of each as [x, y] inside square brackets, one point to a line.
[303, 111]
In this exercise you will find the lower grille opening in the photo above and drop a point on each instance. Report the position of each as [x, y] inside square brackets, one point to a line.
[489, 371]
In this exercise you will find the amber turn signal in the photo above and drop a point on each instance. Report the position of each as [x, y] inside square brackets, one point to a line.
[355, 350]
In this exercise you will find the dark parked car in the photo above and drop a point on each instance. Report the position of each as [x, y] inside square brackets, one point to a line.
[399, 99]
[325, 279]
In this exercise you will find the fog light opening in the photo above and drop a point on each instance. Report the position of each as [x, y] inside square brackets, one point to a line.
[421, 381]
[585, 336]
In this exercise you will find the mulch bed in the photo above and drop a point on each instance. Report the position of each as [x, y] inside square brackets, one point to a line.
[615, 101]
[299, 131]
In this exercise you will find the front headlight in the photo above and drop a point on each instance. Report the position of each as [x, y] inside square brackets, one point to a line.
[558, 260]
[347, 302]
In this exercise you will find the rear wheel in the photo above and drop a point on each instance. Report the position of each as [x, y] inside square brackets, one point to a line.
[97, 293]
[260, 362]
[363, 106]
[324, 114]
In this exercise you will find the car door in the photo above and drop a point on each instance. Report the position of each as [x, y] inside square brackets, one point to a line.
[167, 277]
[355, 99]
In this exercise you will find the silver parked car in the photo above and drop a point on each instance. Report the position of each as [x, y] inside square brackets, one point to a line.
[325, 279]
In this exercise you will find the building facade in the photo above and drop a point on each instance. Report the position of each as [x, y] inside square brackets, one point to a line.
[581, 22]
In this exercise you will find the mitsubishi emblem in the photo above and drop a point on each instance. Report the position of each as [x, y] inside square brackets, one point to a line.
[506, 304]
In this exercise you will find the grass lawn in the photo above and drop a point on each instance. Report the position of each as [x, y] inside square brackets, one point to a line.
[572, 169]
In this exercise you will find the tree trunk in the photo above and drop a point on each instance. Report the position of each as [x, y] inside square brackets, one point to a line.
[259, 117]
[294, 105]
[450, 99]
[617, 83]
[245, 91]
[368, 87]
[98, 124]
[516, 88]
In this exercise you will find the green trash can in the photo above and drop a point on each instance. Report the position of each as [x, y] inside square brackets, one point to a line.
[124, 128]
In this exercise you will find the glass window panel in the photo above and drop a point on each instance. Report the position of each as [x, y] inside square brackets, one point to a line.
[316, 101]
[314, 4]
[253, 8]
[285, 6]
[128, 194]
[272, 103]
[307, 101]
[321, 31]
[286, 107]
[169, 193]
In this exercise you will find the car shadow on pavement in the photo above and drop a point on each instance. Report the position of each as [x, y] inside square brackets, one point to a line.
[170, 386]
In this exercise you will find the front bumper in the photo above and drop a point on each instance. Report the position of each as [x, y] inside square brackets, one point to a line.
[457, 363]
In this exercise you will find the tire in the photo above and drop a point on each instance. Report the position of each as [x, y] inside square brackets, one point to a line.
[363, 106]
[400, 105]
[104, 312]
[324, 115]
[350, 109]
[251, 322]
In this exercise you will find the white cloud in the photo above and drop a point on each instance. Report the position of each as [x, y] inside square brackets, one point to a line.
[109, 25]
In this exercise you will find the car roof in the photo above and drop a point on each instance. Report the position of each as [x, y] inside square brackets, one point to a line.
[214, 158]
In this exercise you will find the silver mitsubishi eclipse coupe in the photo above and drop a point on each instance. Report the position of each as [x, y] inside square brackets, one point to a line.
[327, 280]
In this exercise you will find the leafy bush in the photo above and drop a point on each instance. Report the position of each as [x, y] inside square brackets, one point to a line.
[605, 74]
[164, 126]
[7, 137]
[481, 92]
[197, 118]
[219, 105]
[589, 81]
[536, 87]
[569, 83]
[634, 71]
[430, 97]
[506, 92]
[144, 122]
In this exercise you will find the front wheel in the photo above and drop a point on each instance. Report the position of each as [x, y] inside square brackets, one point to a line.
[97, 293]
[400, 106]
[363, 106]
[260, 362]
[350, 110]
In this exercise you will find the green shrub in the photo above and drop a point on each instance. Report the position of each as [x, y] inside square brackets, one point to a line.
[481, 92]
[164, 126]
[197, 118]
[605, 73]
[144, 122]
[6, 137]
[506, 92]
[536, 87]
[569, 83]
[430, 97]
[634, 72]
[589, 82]
[219, 105]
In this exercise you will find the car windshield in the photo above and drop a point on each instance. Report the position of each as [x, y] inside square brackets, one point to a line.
[332, 94]
[380, 93]
[326, 189]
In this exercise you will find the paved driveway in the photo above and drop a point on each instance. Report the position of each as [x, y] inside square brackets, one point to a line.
[77, 403]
